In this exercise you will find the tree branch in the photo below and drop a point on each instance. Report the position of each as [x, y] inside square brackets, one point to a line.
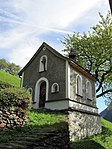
[96, 74]
[103, 93]
[102, 79]
[97, 69]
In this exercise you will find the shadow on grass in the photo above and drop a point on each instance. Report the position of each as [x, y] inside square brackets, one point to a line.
[86, 144]
[34, 128]
[48, 111]
[90, 143]
[29, 137]
[105, 133]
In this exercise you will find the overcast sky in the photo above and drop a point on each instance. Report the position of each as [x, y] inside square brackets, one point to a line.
[25, 24]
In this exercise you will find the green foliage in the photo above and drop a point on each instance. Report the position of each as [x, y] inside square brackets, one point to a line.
[9, 67]
[9, 79]
[15, 97]
[13, 69]
[3, 64]
[94, 53]
[101, 141]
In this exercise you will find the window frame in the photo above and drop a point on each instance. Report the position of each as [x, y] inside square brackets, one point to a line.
[89, 90]
[79, 85]
[53, 88]
[41, 67]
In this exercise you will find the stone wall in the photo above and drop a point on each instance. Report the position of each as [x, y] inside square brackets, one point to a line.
[83, 124]
[11, 118]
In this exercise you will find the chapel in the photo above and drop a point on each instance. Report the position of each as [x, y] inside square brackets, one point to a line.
[57, 82]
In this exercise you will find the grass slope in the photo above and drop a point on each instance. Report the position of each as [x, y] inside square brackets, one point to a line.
[9, 79]
[40, 121]
[101, 141]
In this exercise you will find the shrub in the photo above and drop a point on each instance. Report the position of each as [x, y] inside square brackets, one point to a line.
[15, 97]
[4, 85]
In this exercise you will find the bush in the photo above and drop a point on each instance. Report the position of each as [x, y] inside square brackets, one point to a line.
[4, 85]
[15, 97]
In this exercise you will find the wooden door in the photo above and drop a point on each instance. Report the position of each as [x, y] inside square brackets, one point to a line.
[42, 95]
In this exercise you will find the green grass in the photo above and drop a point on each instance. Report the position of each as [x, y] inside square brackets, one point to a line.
[43, 117]
[9, 79]
[101, 141]
[39, 121]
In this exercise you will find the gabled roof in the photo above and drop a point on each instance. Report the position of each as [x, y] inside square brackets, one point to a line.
[40, 48]
[71, 62]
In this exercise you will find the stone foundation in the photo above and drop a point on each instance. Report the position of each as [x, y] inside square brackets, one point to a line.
[11, 118]
[82, 124]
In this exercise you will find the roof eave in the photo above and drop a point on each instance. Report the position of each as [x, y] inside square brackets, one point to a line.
[82, 70]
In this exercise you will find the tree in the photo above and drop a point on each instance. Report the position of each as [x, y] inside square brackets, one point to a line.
[13, 68]
[94, 53]
[3, 64]
[9, 67]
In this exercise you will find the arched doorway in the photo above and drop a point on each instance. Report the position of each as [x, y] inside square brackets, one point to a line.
[42, 94]
[41, 87]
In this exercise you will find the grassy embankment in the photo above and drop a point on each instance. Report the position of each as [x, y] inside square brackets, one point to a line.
[9, 79]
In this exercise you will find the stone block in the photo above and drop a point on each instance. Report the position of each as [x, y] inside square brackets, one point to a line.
[2, 125]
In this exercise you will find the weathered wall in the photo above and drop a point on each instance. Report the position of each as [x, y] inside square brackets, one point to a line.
[55, 73]
[83, 107]
[74, 96]
[82, 125]
[57, 105]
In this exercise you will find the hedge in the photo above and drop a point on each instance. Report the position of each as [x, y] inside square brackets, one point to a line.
[15, 97]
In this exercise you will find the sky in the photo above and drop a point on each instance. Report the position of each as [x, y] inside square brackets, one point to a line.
[26, 24]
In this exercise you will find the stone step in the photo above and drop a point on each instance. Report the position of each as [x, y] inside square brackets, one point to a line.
[52, 140]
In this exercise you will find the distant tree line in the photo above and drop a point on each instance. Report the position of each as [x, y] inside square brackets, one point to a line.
[10, 68]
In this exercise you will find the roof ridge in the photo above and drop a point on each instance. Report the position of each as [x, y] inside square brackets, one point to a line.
[33, 57]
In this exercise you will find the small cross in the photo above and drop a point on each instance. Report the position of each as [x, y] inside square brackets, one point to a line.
[44, 62]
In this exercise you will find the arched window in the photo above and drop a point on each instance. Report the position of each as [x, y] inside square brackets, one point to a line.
[79, 85]
[55, 88]
[43, 63]
[88, 90]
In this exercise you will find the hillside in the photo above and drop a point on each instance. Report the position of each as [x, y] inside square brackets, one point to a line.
[9, 79]
[107, 114]
[47, 129]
